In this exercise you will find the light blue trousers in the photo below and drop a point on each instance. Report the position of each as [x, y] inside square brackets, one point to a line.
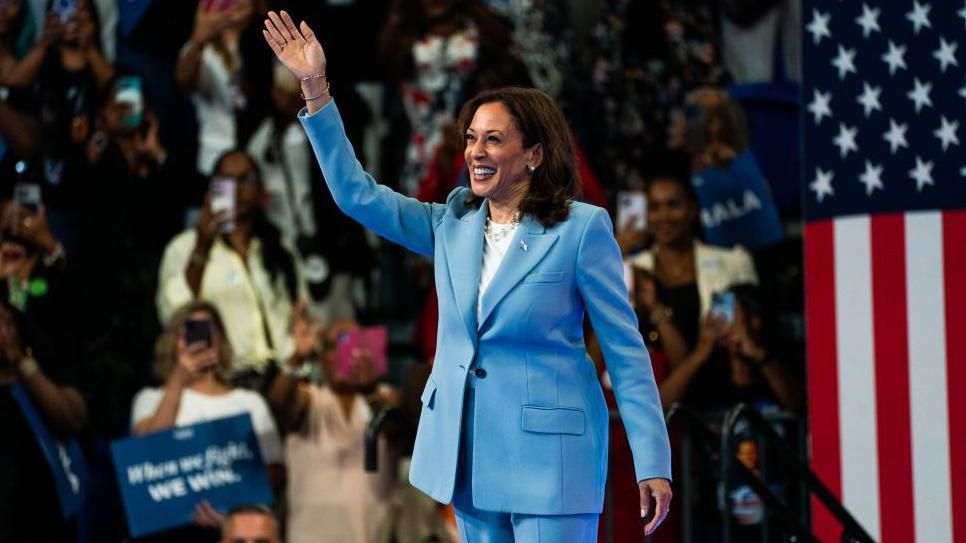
[476, 526]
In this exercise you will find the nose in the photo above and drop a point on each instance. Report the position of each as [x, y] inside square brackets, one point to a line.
[477, 149]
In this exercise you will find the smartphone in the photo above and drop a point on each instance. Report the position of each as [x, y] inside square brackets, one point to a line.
[374, 340]
[632, 204]
[223, 202]
[129, 93]
[723, 306]
[197, 331]
[27, 196]
[65, 10]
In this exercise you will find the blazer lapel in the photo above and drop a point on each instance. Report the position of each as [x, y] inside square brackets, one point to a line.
[530, 244]
[464, 259]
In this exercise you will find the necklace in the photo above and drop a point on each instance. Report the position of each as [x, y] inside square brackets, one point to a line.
[497, 232]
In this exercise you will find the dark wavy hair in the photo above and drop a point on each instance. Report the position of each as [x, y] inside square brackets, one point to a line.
[556, 183]
[278, 261]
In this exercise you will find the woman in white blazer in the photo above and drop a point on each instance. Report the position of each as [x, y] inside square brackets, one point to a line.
[675, 281]
[513, 428]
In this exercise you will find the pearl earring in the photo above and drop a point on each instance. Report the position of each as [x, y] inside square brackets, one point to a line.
[531, 169]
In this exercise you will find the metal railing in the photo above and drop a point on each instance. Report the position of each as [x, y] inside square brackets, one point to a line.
[720, 452]
[851, 529]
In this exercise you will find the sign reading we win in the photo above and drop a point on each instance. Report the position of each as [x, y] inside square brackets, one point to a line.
[165, 475]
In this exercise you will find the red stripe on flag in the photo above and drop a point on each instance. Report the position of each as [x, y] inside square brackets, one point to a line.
[890, 333]
[823, 387]
[954, 270]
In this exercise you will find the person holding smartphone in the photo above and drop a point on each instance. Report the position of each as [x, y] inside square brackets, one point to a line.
[193, 362]
[674, 284]
[236, 258]
[331, 498]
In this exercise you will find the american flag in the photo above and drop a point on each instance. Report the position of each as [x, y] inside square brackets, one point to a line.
[884, 96]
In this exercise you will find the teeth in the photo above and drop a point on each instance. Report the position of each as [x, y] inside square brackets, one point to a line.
[483, 172]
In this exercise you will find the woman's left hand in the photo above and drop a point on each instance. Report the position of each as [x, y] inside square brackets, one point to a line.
[660, 490]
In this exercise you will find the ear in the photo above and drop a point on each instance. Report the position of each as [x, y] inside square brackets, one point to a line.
[536, 156]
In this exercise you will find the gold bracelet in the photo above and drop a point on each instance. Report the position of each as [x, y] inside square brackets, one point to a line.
[325, 91]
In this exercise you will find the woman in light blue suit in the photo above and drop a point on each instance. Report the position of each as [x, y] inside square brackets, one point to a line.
[514, 426]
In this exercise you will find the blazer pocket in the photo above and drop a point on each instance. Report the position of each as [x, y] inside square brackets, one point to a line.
[544, 277]
[553, 420]
[429, 393]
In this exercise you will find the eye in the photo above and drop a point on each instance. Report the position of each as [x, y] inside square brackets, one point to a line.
[494, 139]
[470, 137]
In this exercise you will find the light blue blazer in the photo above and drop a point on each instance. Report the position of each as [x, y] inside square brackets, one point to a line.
[541, 423]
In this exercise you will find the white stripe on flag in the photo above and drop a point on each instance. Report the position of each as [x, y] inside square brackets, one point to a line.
[932, 495]
[856, 372]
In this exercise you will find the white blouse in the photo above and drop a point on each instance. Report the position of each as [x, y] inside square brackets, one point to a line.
[493, 253]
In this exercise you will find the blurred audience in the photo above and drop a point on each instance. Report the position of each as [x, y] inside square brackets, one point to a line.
[675, 279]
[336, 255]
[250, 524]
[32, 357]
[331, 498]
[431, 49]
[236, 259]
[226, 68]
[193, 361]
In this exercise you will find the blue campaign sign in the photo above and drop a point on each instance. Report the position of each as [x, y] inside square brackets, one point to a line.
[736, 207]
[66, 462]
[163, 476]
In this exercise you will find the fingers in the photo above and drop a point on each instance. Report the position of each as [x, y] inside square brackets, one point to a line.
[277, 39]
[272, 43]
[662, 502]
[307, 32]
[290, 25]
[206, 515]
[280, 27]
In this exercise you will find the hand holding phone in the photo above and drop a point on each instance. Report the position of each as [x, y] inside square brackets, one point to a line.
[197, 331]
[632, 210]
[352, 345]
[223, 203]
[723, 306]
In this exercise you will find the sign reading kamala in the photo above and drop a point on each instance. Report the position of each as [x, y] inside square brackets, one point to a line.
[736, 207]
[163, 476]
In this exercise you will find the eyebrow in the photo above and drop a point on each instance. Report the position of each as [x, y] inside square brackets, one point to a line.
[491, 131]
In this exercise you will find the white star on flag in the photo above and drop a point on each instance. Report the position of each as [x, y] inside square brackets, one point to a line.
[845, 61]
[871, 178]
[869, 21]
[919, 16]
[922, 173]
[895, 58]
[870, 98]
[819, 26]
[820, 105]
[896, 136]
[920, 94]
[845, 141]
[946, 54]
[962, 91]
[947, 133]
[962, 12]
[822, 185]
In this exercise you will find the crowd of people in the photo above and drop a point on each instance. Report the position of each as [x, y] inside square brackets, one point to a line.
[155, 181]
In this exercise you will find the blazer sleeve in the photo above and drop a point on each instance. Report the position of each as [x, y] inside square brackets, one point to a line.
[601, 285]
[399, 219]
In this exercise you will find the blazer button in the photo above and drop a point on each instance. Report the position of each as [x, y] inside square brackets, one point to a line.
[480, 372]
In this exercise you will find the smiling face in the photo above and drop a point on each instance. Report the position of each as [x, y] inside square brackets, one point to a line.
[670, 212]
[495, 155]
